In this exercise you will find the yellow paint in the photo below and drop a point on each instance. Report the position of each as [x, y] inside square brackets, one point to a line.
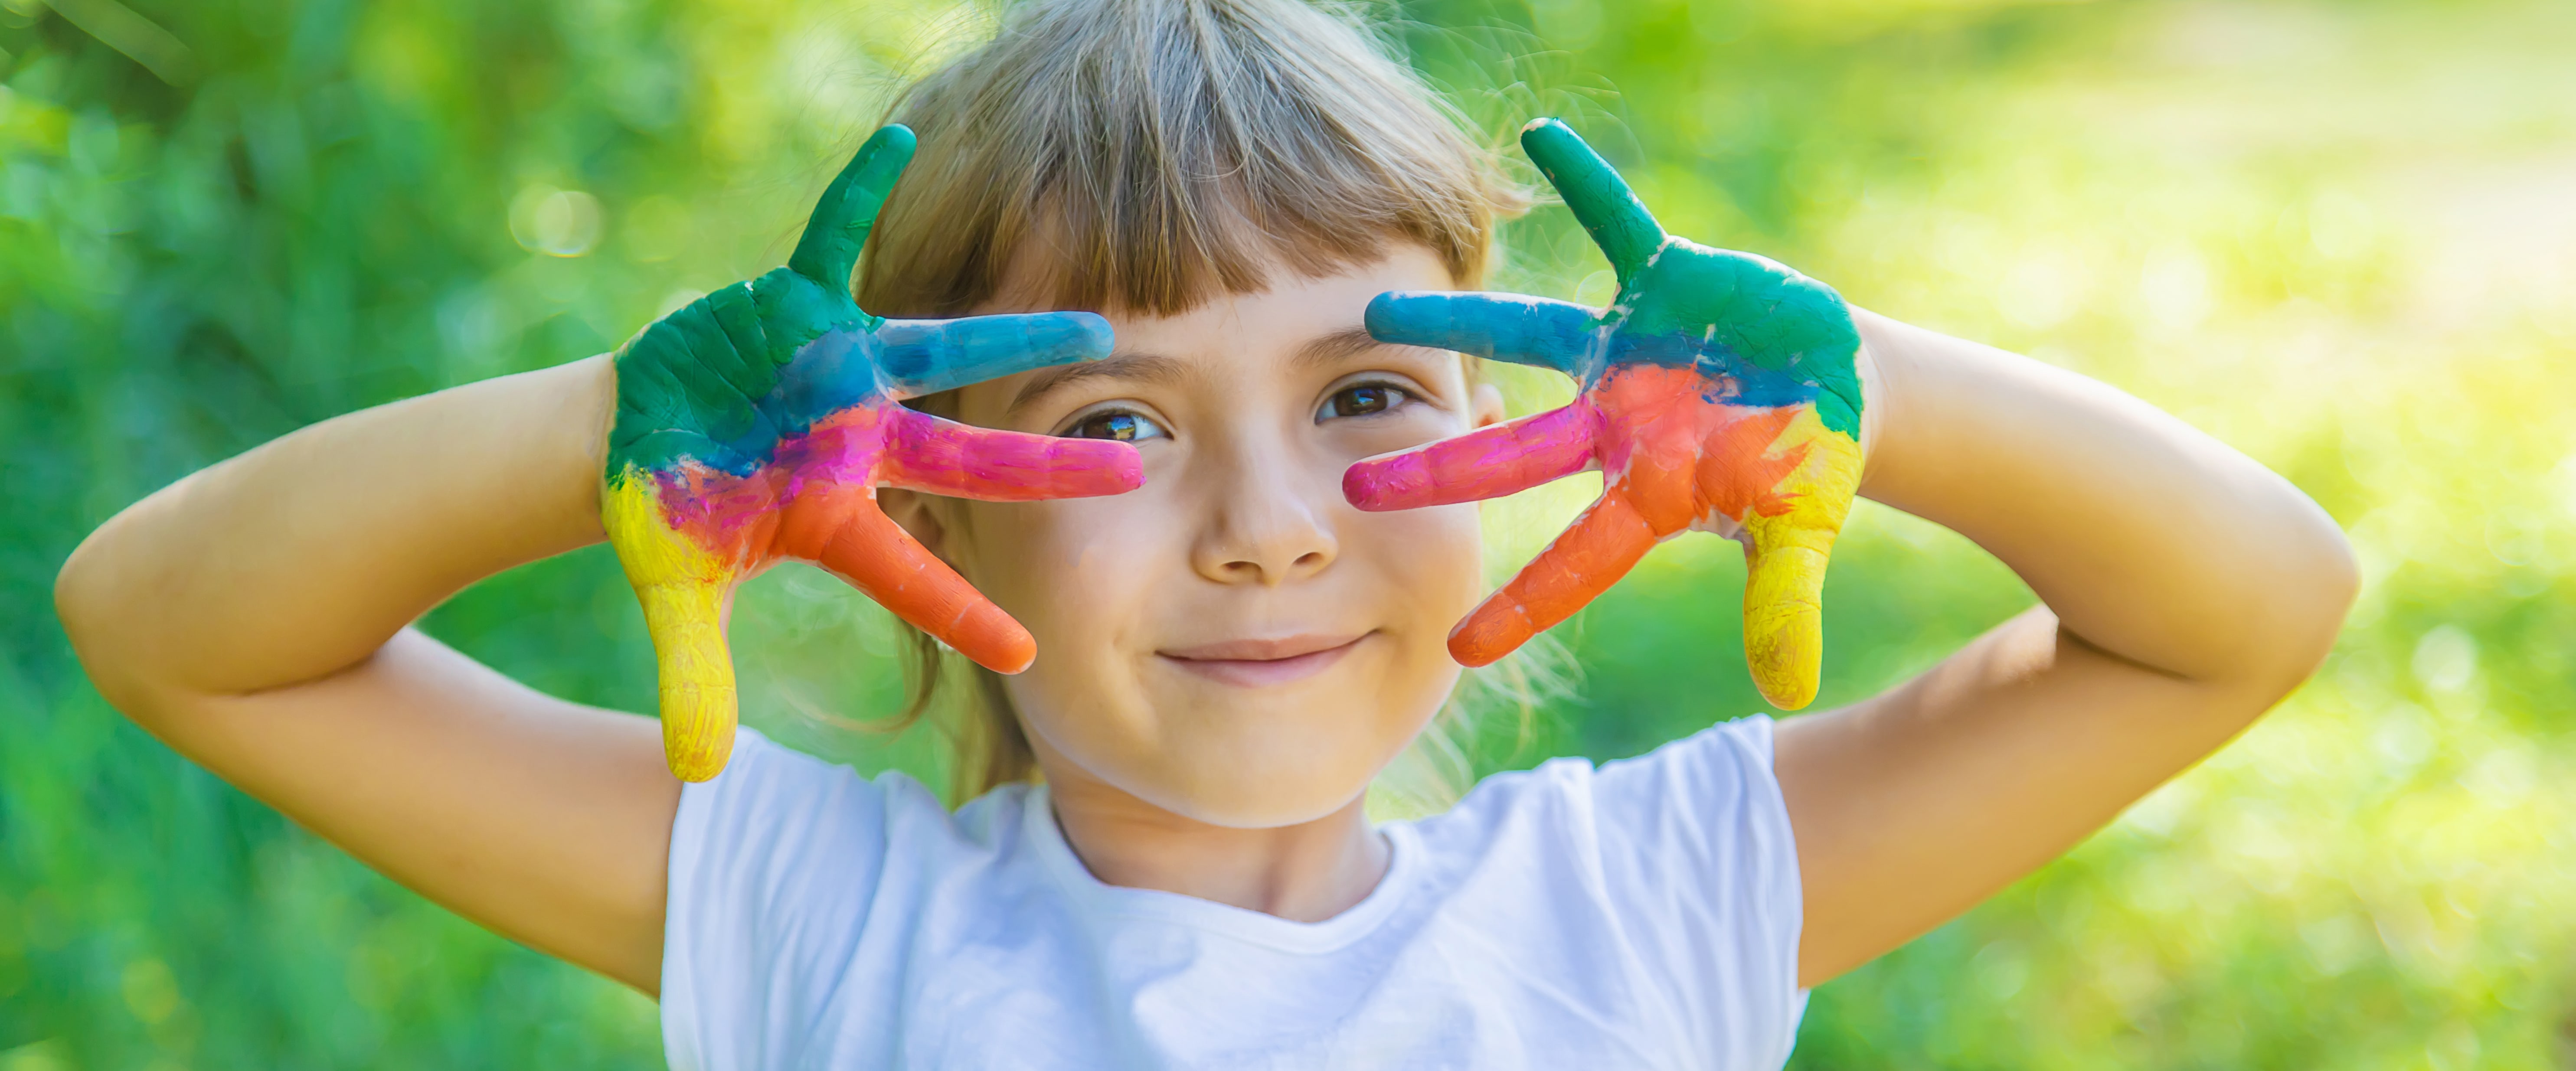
[1784, 584]
[682, 587]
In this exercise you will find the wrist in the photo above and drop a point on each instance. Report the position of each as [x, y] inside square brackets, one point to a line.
[585, 412]
[1872, 363]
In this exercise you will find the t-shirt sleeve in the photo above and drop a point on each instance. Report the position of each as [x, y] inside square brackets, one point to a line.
[773, 865]
[1697, 853]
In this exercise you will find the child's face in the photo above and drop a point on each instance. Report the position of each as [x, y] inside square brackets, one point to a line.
[1233, 642]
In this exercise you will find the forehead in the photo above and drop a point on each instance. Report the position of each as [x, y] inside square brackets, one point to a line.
[1294, 316]
[1028, 284]
[1291, 312]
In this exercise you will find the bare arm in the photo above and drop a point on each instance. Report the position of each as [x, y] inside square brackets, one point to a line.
[2186, 589]
[255, 616]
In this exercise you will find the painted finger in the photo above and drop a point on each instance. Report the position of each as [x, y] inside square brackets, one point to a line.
[839, 227]
[1508, 327]
[1599, 548]
[1486, 463]
[921, 357]
[876, 556]
[1601, 200]
[682, 587]
[943, 457]
[1788, 546]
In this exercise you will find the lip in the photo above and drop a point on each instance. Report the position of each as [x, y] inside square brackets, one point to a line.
[1263, 663]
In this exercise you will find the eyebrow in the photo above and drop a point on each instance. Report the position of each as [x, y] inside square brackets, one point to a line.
[1151, 368]
[1159, 370]
[1333, 348]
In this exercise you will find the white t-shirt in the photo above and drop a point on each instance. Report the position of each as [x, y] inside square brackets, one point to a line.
[1642, 915]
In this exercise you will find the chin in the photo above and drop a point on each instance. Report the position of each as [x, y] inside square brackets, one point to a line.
[1257, 757]
[1265, 768]
[1249, 768]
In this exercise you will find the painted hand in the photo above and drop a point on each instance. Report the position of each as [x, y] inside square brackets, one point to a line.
[1719, 393]
[756, 424]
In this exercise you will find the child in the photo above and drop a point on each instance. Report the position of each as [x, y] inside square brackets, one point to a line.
[1211, 650]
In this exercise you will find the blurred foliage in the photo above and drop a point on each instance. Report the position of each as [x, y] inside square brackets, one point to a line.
[2338, 236]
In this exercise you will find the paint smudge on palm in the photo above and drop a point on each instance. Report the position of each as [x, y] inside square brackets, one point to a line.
[756, 423]
[1720, 392]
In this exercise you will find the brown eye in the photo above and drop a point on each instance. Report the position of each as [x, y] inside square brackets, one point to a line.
[1363, 399]
[1116, 426]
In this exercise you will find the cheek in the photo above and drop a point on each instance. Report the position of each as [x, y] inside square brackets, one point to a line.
[1435, 558]
[1068, 570]
[1080, 575]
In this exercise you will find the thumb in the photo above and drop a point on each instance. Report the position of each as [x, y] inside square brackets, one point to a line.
[682, 587]
[1784, 621]
[1789, 538]
[698, 703]
[839, 227]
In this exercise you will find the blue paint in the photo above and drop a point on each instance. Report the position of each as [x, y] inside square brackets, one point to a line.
[852, 366]
[1573, 339]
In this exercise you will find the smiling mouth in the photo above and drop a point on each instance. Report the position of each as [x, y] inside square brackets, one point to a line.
[1263, 663]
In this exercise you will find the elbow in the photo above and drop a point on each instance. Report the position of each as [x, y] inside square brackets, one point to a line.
[2341, 584]
[78, 595]
[2313, 591]
[87, 599]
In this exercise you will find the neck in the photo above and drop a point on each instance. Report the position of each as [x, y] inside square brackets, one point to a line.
[1307, 872]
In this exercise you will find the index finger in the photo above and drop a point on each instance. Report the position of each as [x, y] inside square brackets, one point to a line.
[839, 227]
[1601, 200]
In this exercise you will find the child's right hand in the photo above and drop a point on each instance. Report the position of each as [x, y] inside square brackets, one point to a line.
[757, 422]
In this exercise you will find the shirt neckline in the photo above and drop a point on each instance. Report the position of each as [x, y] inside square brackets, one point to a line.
[1077, 881]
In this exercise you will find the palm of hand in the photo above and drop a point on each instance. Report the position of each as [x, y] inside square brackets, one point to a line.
[756, 423]
[1719, 392]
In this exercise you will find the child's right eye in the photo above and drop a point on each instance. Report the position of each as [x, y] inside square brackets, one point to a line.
[1116, 425]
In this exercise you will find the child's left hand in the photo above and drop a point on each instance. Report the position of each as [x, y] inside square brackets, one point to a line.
[1719, 393]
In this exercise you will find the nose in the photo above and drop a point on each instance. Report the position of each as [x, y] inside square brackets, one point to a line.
[1268, 517]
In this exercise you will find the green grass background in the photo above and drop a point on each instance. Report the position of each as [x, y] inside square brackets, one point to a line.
[2340, 236]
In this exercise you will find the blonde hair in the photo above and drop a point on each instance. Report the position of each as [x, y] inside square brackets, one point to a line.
[1145, 156]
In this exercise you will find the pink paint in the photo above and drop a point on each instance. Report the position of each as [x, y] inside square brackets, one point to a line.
[948, 458]
[1496, 461]
[868, 446]
[726, 515]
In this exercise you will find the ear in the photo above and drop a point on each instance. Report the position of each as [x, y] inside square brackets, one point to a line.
[1485, 405]
[924, 517]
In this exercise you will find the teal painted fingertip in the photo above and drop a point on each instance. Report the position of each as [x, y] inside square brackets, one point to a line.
[838, 230]
[1618, 222]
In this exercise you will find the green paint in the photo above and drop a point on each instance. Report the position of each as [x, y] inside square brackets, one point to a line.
[1741, 314]
[689, 384]
[1619, 223]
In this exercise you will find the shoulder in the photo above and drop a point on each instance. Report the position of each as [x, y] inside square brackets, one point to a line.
[776, 867]
[772, 798]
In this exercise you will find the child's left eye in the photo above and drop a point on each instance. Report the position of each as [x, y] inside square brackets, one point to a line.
[1362, 399]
